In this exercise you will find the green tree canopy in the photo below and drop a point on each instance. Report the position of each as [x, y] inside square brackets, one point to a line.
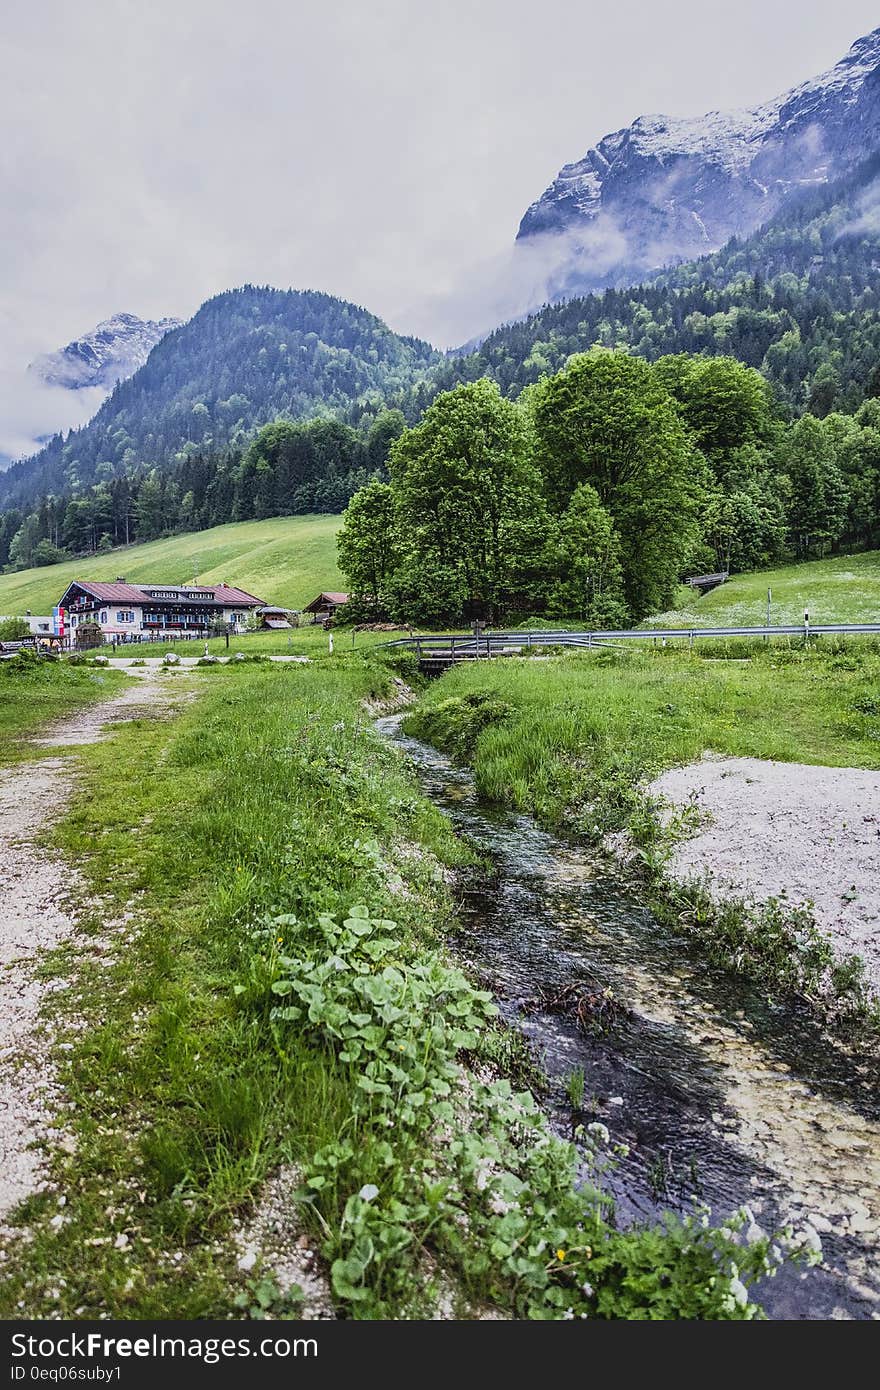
[464, 482]
[725, 404]
[608, 421]
[368, 543]
[589, 577]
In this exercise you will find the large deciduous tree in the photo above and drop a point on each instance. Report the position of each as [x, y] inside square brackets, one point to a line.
[368, 542]
[588, 576]
[608, 421]
[465, 484]
[725, 404]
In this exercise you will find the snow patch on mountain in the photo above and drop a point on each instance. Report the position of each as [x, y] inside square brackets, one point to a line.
[108, 354]
[668, 189]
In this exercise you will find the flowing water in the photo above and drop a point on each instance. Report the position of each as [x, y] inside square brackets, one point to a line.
[721, 1098]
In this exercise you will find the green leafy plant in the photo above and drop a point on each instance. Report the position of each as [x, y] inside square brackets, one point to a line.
[262, 1298]
[466, 1167]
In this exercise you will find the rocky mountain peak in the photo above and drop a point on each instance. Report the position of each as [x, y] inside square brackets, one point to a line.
[667, 189]
[110, 353]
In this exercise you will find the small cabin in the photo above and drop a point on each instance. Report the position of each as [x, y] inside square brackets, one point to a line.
[273, 619]
[325, 607]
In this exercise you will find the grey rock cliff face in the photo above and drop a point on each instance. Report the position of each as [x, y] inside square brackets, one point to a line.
[665, 190]
[110, 353]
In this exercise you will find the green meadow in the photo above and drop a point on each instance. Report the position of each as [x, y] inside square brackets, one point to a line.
[571, 738]
[845, 589]
[285, 560]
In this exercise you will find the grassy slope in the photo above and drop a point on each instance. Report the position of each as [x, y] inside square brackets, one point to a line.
[286, 560]
[845, 589]
[583, 730]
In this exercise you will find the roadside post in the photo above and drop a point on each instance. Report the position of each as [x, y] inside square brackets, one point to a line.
[769, 601]
[806, 626]
[330, 640]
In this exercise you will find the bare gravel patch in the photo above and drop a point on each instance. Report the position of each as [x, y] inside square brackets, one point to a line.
[273, 1242]
[810, 835]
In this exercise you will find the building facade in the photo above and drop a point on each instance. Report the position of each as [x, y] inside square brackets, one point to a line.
[140, 612]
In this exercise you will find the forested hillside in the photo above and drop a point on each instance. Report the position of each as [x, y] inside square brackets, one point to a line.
[190, 441]
[800, 300]
[246, 357]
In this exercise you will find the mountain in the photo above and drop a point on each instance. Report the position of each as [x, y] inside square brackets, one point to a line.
[110, 353]
[799, 299]
[665, 190]
[246, 357]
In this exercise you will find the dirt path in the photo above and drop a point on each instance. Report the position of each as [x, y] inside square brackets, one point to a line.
[35, 886]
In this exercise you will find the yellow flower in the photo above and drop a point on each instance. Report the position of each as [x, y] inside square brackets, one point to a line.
[560, 1254]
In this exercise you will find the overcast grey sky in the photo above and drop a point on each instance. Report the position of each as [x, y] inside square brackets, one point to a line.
[155, 152]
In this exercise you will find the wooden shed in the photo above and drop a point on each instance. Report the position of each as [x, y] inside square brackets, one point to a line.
[325, 606]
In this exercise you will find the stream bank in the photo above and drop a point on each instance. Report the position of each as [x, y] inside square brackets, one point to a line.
[720, 1098]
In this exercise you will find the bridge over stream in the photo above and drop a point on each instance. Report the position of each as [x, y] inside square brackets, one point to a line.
[436, 652]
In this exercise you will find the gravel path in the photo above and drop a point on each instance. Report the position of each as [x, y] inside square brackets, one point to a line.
[771, 829]
[35, 884]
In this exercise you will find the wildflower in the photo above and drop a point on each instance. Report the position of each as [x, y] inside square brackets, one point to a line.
[739, 1292]
[560, 1255]
[368, 1192]
[568, 1315]
[587, 1290]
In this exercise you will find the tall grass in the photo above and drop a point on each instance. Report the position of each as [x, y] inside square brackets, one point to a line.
[577, 739]
[583, 730]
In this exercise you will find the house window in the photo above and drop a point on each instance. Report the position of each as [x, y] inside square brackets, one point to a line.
[125, 615]
[103, 617]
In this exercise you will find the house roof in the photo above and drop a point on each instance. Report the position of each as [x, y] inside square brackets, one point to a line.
[275, 622]
[118, 592]
[324, 598]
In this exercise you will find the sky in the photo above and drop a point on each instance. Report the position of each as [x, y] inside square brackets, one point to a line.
[154, 154]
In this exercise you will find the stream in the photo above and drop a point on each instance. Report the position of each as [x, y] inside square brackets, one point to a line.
[722, 1098]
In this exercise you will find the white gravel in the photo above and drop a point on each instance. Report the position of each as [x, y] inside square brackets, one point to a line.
[770, 829]
[32, 920]
[273, 1242]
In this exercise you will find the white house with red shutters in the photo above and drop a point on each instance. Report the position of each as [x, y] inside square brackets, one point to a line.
[138, 612]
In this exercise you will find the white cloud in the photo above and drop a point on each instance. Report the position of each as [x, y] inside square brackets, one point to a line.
[31, 412]
[383, 150]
